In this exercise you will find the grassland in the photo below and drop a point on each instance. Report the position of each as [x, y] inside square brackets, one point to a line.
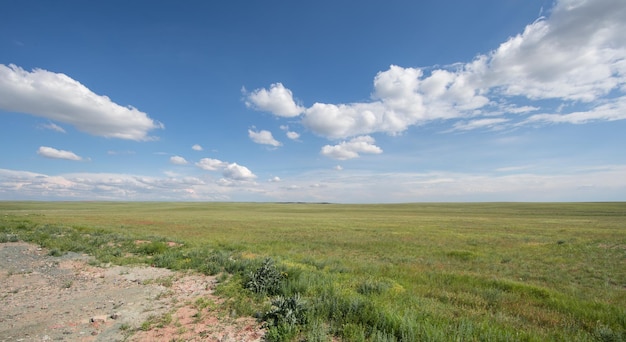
[394, 272]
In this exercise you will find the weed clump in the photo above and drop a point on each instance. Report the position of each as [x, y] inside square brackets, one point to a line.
[286, 310]
[284, 317]
[266, 280]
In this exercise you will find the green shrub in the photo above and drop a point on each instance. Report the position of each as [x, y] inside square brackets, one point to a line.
[266, 280]
[8, 238]
[286, 310]
[151, 248]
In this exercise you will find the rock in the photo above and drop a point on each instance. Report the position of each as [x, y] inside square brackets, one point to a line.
[98, 319]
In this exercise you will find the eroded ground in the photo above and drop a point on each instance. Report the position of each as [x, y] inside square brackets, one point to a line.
[47, 298]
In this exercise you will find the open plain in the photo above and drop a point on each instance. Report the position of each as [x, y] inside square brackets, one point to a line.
[394, 272]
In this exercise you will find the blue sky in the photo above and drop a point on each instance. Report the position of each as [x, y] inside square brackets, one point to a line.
[355, 102]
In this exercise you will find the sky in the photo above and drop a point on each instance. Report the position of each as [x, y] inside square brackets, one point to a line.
[313, 101]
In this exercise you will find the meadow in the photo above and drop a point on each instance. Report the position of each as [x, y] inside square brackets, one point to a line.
[389, 272]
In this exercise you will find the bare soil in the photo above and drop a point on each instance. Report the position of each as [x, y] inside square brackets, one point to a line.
[48, 298]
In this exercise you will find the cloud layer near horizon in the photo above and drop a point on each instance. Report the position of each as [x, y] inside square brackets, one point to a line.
[58, 97]
[576, 56]
[601, 183]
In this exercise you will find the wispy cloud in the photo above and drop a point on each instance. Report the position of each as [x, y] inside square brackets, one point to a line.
[117, 153]
[493, 123]
[53, 127]
[598, 183]
[60, 98]
[53, 153]
[196, 147]
[293, 135]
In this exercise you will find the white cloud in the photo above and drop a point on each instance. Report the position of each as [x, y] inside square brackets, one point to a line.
[231, 171]
[598, 183]
[338, 168]
[610, 111]
[105, 186]
[238, 172]
[196, 147]
[277, 100]
[351, 149]
[274, 179]
[178, 160]
[53, 153]
[60, 98]
[518, 110]
[210, 164]
[576, 55]
[53, 127]
[263, 137]
[494, 123]
[293, 135]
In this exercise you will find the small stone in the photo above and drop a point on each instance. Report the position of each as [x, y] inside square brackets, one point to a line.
[114, 315]
[98, 319]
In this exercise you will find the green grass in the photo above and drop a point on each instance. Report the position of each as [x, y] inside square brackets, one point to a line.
[483, 271]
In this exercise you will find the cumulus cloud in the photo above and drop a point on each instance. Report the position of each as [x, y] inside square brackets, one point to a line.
[230, 171]
[586, 50]
[60, 98]
[238, 172]
[351, 149]
[274, 179]
[196, 147]
[53, 153]
[263, 137]
[178, 160]
[576, 55]
[210, 164]
[277, 100]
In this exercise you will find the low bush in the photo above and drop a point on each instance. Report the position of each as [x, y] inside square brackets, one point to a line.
[266, 280]
[286, 310]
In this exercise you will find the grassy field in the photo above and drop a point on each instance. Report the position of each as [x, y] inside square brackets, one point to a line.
[393, 272]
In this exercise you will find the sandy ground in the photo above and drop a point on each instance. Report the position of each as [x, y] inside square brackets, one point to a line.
[47, 298]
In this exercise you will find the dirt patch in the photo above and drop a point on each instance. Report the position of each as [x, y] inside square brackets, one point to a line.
[47, 298]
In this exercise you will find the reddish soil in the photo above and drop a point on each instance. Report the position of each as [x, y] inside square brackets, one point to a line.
[47, 298]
